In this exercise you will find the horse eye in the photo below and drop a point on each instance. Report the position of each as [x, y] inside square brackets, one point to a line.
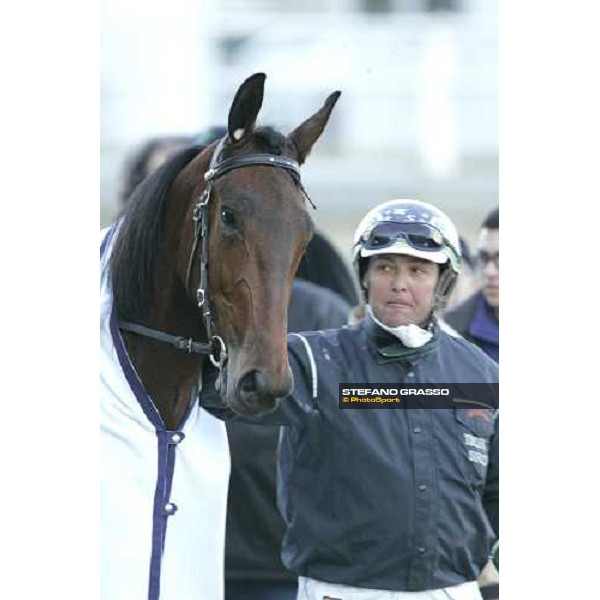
[227, 217]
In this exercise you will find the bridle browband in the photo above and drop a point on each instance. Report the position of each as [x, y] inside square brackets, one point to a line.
[216, 347]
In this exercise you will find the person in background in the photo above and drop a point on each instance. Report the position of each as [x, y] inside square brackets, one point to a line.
[146, 158]
[254, 533]
[477, 318]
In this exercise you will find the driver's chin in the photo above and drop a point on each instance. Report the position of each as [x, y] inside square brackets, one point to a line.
[396, 317]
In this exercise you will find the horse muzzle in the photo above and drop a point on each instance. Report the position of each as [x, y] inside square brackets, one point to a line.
[256, 393]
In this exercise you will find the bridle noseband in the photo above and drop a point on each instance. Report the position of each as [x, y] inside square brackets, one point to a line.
[216, 347]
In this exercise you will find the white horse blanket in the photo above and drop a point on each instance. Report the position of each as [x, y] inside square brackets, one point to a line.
[163, 493]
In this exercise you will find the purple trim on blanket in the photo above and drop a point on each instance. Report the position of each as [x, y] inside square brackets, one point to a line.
[162, 496]
[166, 465]
[132, 377]
[166, 450]
[159, 518]
[106, 239]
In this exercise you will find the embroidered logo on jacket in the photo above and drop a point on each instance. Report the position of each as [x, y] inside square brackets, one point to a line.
[477, 451]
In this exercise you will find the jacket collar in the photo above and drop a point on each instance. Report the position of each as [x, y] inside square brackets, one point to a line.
[389, 348]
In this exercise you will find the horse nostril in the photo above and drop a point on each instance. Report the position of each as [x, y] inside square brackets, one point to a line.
[250, 382]
[256, 393]
[256, 387]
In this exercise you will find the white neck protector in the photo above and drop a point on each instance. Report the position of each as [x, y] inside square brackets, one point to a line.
[412, 336]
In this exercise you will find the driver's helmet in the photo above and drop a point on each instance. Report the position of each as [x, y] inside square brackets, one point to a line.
[408, 227]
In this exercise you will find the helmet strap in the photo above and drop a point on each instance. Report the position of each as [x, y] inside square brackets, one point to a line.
[444, 287]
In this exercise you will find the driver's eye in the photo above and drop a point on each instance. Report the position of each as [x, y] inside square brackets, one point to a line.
[228, 217]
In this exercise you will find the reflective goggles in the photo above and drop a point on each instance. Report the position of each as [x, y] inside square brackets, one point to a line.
[419, 236]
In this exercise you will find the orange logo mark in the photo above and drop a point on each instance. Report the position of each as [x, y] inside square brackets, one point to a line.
[479, 413]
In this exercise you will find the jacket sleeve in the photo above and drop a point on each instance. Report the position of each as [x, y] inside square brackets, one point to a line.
[492, 489]
[294, 409]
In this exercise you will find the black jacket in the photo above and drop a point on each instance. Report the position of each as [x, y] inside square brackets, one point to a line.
[384, 499]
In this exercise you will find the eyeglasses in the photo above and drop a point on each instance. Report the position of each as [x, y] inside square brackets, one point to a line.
[418, 235]
[483, 258]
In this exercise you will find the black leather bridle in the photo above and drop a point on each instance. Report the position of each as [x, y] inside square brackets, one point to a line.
[216, 347]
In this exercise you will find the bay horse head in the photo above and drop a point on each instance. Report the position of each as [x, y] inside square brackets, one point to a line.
[228, 229]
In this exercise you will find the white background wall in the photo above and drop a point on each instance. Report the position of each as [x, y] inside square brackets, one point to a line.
[418, 114]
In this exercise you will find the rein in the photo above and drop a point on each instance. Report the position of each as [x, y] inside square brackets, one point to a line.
[216, 347]
[179, 342]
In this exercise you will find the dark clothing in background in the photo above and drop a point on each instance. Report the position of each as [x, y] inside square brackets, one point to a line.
[313, 308]
[323, 266]
[261, 590]
[254, 526]
[475, 321]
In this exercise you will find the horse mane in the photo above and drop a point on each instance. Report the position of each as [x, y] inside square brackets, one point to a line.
[134, 256]
[137, 166]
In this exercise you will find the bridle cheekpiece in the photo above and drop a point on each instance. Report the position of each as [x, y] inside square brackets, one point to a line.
[216, 347]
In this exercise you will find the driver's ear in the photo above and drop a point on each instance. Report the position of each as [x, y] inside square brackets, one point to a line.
[365, 280]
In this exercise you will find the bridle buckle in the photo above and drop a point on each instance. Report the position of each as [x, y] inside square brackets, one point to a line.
[222, 352]
[200, 206]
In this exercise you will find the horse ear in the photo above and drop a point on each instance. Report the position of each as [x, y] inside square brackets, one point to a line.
[306, 134]
[245, 106]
